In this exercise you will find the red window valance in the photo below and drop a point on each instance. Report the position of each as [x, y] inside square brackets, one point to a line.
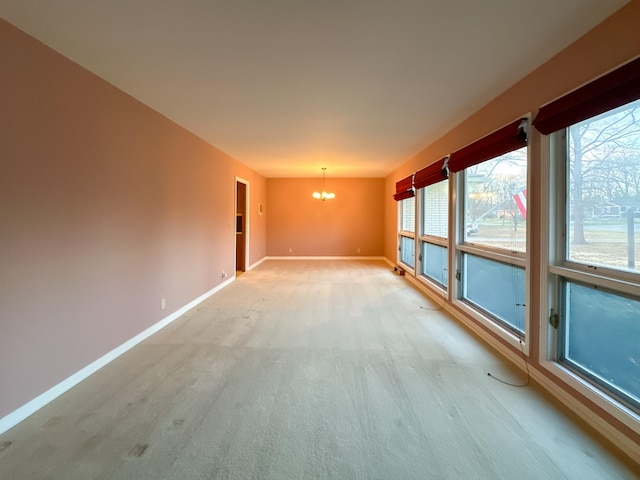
[404, 189]
[507, 139]
[610, 91]
[434, 173]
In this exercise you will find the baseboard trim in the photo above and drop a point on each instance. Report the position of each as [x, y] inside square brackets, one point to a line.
[620, 440]
[54, 392]
[319, 257]
[262, 260]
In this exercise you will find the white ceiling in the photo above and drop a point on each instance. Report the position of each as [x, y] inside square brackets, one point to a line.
[290, 86]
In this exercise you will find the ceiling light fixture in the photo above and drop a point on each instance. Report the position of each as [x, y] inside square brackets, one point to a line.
[324, 195]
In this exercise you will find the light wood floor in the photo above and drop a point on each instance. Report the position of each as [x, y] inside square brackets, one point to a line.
[308, 370]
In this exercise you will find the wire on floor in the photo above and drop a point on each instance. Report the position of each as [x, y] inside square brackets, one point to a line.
[434, 309]
[526, 364]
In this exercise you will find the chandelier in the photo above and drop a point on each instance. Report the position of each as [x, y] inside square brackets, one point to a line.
[324, 195]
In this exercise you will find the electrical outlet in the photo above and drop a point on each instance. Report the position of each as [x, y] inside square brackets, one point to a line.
[290, 250]
[224, 274]
[163, 303]
[358, 250]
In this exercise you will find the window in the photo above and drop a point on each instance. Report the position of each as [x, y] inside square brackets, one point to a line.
[600, 338]
[434, 263]
[407, 250]
[496, 202]
[497, 289]
[435, 210]
[433, 239]
[407, 231]
[604, 179]
[596, 267]
[492, 249]
[593, 279]
[405, 196]
[408, 215]
[495, 220]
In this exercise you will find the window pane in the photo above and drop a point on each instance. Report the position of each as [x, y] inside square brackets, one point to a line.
[434, 263]
[497, 288]
[604, 190]
[408, 215]
[407, 251]
[496, 202]
[435, 211]
[602, 337]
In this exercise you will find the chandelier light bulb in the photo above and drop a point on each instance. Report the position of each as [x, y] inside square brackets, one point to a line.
[324, 195]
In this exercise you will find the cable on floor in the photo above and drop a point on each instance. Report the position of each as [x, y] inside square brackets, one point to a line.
[526, 364]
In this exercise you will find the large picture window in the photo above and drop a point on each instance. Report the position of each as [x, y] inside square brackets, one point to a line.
[492, 248]
[407, 231]
[433, 186]
[599, 259]
[405, 196]
[594, 272]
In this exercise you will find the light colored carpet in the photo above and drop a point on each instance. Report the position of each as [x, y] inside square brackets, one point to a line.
[307, 370]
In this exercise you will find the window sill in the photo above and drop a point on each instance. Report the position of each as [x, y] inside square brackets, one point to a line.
[435, 287]
[505, 334]
[598, 396]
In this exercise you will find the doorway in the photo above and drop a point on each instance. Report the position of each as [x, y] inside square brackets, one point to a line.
[242, 225]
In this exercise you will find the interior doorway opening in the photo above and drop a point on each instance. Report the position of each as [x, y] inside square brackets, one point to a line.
[242, 225]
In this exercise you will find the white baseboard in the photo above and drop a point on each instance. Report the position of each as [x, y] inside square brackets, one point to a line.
[324, 258]
[54, 392]
[251, 267]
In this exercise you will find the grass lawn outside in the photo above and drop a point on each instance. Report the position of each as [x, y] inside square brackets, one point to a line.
[606, 242]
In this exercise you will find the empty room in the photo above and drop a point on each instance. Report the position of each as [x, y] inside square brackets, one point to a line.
[299, 239]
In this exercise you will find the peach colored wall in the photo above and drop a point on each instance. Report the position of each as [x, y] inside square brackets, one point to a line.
[312, 227]
[610, 44]
[105, 208]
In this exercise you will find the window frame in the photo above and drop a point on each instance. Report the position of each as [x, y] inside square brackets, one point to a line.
[460, 246]
[406, 233]
[558, 269]
[423, 238]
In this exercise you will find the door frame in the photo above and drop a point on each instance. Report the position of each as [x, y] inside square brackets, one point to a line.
[246, 222]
